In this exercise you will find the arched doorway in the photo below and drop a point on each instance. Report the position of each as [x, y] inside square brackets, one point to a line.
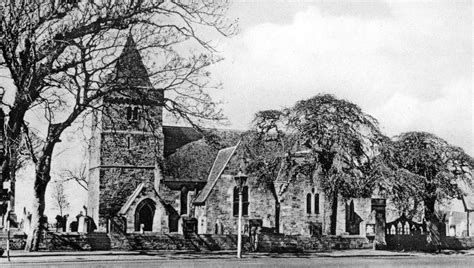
[144, 215]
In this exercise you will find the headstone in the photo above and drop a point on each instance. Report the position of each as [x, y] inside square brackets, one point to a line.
[81, 225]
[378, 205]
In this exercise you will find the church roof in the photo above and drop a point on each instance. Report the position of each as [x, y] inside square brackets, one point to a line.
[176, 137]
[129, 68]
[130, 78]
[220, 162]
[468, 202]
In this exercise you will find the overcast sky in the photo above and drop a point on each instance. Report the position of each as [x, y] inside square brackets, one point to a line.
[407, 63]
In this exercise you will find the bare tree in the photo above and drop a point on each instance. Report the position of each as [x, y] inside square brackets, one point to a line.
[77, 174]
[59, 197]
[60, 55]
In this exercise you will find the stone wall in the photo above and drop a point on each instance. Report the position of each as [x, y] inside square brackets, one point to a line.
[266, 242]
[218, 210]
[134, 241]
[160, 219]
[456, 243]
[122, 154]
[17, 240]
[116, 186]
[128, 148]
[418, 242]
[294, 219]
[153, 241]
[285, 243]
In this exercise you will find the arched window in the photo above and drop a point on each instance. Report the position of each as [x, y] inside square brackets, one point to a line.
[316, 203]
[183, 200]
[133, 113]
[235, 207]
[245, 201]
[308, 203]
[351, 211]
[312, 205]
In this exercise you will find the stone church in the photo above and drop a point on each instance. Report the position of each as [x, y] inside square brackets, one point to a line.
[125, 181]
[123, 176]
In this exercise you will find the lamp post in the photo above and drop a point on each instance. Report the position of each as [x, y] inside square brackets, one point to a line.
[240, 181]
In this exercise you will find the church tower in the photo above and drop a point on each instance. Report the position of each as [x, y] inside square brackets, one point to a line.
[127, 137]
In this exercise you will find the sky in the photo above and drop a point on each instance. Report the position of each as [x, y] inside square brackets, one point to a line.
[407, 63]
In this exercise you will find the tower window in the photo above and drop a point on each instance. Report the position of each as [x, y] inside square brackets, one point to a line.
[133, 113]
[129, 113]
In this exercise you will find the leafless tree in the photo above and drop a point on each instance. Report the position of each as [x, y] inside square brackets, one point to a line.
[59, 197]
[77, 174]
[60, 55]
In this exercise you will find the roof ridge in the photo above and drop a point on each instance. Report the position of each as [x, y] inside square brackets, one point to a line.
[211, 182]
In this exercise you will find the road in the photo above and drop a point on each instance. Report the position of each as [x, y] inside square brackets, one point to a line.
[304, 261]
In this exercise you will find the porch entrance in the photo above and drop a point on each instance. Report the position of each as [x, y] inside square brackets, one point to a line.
[144, 215]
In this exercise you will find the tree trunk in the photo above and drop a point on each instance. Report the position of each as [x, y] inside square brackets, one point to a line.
[433, 238]
[34, 235]
[333, 217]
[37, 214]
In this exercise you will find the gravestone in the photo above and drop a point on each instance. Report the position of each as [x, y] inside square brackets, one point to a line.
[379, 205]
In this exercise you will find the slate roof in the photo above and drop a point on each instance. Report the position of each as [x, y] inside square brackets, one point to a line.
[129, 67]
[468, 196]
[468, 202]
[222, 158]
[131, 77]
[176, 137]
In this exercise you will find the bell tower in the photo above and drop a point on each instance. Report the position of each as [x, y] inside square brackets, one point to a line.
[127, 136]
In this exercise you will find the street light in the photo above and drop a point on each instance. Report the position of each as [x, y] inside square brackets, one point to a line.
[240, 180]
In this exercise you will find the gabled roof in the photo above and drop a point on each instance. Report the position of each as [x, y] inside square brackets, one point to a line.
[135, 194]
[222, 158]
[468, 202]
[176, 137]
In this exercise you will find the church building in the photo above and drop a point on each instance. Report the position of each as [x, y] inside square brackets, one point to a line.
[128, 137]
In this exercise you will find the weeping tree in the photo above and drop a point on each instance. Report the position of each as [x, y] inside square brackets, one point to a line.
[441, 172]
[264, 148]
[336, 140]
[60, 56]
[343, 141]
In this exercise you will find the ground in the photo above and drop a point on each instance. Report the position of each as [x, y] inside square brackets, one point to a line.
[341, 258]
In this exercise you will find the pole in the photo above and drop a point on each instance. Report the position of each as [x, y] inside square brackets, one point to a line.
[8, 238]
[239, 227]
[467, 225]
